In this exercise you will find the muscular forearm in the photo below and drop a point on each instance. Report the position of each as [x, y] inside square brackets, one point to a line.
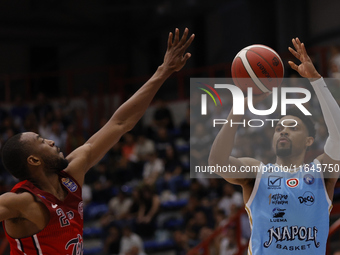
[133, 109]
[224, 141]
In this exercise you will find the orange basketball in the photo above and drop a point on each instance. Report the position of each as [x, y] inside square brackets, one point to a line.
[260, 63]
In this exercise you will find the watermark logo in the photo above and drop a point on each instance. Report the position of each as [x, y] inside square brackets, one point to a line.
[204, 98]
[238, 99]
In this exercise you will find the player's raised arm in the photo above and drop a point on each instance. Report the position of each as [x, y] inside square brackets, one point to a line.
[128, 114]
[223, 145]
[329, 107]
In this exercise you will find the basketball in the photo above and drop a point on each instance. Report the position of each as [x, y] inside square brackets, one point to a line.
[260, 63]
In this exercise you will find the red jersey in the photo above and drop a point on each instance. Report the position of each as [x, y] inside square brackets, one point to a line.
[64, 231]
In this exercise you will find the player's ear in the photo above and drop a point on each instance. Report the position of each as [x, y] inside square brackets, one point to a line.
[310, 141]
[33, 160]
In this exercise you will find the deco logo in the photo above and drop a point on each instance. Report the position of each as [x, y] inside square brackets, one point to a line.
[307, 198]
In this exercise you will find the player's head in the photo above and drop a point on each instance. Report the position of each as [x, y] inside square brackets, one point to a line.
[25, 151]
[291, 139]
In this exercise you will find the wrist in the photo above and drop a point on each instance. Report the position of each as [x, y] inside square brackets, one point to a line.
[164, 71]
[315, 77]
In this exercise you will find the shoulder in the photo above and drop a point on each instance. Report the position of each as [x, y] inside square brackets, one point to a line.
[21, 196]
[15, 205]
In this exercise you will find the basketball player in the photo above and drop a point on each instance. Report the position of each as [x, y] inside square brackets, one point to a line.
[288, 211]
[43, 214]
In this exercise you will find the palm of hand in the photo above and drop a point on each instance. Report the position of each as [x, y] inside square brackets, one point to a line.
[306, 68]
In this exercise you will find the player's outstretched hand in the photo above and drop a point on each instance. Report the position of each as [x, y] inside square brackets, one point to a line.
[306, 68]
[175, 56]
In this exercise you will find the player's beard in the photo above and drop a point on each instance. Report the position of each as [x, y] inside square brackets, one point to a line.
[54, 163]
[283, 152]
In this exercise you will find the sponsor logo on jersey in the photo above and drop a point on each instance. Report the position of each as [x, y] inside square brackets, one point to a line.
[54, 206]
[80, 209]
[278, 214]
[77, 244]
[274, 182]
[307, 198]
[286, 233]
[69, 184]
[292, 182]
[278, 199]
[308, 179]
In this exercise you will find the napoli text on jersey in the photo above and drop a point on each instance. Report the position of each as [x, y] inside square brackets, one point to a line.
[64, 231]
[289, 212]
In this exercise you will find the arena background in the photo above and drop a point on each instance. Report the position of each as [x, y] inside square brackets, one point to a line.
[65, 66]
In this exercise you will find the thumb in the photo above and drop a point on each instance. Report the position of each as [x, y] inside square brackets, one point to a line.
[186, 57]
[293, 65]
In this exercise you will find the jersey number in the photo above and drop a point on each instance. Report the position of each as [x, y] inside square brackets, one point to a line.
[63, 218]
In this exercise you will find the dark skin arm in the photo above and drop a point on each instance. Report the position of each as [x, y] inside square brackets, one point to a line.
[129, 113]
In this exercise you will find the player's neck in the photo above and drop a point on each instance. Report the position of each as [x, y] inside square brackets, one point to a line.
[290, 161]
[50, 183]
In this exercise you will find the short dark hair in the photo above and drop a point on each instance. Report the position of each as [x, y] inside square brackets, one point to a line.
[306, 120]
[14, 157]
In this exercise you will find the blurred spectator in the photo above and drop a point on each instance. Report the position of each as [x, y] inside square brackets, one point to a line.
[86, 194]
[228, 244]
[148, 210]
[204, 233]
[19, 112]
[58, 135]
[185, 125]
[100, 180]
[200, 143]
[215, 190]
[153, 167]
[131, 243]
[44, 128]
[230, 197]
[74, 139]
[128, 147]
[181, 242]
[220, 218]
[112, 241]
[334, 63]
[162, 116]
[162, 141]
[198, 222]
[143, 147]
[119, 207]
[66, 110]
[197, 189]
[189, 210]
[172, 177]
[122, 172]
[132, 213]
